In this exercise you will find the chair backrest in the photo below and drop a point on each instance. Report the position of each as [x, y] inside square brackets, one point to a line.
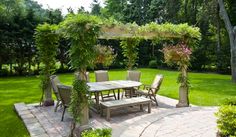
[54, 81]
[77, 74]
[65, 93]
[101, 75]
[133, 75]
[157, 82]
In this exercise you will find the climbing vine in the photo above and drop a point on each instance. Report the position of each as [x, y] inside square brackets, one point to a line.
[179, 55]
[47, 43]
[130, 51]
[82, 30]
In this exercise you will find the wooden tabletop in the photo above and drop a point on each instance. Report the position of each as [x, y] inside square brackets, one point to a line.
[111, 85]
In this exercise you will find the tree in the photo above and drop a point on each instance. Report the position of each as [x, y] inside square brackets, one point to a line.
[114, 8]
[95, 8]
[232, 36]
[47, 43]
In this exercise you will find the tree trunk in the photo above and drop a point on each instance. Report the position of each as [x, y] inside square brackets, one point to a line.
[218, 46]
[29, 67]
[38, 65]
[232, 36]
[218, 49]
[153, 51]
[10, 68]
[186, 10]
[62, 65]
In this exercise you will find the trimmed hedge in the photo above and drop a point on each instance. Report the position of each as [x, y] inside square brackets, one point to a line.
[105, 132]
[152, 64]
[226, 122]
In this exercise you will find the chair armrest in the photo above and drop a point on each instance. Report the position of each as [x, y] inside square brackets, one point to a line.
[146, 86]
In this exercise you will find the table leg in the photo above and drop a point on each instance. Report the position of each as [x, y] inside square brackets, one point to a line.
[141, 107]
[118, 94]
[97, 99]
[131, 92]
[149, 107]
[108, 114]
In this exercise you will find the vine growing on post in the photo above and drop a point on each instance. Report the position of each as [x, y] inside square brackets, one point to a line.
[47, 43]
[82, 30]
[130, 51]
[180, 55]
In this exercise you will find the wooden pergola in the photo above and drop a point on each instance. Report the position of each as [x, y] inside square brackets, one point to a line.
[151, 31]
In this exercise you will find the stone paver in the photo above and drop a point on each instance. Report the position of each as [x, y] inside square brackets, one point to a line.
[164, 121]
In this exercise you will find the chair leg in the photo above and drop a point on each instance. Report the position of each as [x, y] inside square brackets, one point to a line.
[102, 96]
[155, 99]
[57, 105]
[108, 94]
[114, 93]
[63, 113]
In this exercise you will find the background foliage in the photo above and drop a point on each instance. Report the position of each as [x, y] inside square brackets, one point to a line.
[226, 118]
[20, 18]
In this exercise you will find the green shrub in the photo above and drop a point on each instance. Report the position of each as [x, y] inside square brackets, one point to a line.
[4, 72]
[226, 122]
[152, 64]
[230, 101]
[105, 132]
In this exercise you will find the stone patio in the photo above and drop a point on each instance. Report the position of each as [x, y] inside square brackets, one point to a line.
[164, 121]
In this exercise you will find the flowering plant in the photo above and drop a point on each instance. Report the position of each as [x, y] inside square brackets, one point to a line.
[105, 55]
[178, 54]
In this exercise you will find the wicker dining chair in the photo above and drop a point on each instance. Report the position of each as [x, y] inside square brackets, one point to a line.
[54, 81]
[134, 76]
[65, 93]
[151, 90]
[100, 76]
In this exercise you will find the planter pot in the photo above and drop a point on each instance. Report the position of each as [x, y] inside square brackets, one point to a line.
[48, 101]
[183, 97]
[78, 130]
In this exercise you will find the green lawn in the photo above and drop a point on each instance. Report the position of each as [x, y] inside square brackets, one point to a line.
[206, 90]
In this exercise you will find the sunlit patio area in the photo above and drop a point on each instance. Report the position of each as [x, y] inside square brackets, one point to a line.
[165, 120]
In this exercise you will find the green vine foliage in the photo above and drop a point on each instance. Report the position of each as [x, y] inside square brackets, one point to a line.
[82, 30]
[105, 132]
[47, 43]
[130, 51]
[78, 96]
[169, 31]
[153, 31]
[179, 55]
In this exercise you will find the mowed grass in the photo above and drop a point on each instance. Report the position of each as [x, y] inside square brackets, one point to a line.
[206, 90]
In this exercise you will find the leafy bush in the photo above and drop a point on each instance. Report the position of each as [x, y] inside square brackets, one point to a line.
[105, 132]
[227, 118]
[105, 55]
[4, 72]
[152, 64]
[230, 101]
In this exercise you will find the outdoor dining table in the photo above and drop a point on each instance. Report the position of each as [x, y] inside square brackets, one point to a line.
[97, 87]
